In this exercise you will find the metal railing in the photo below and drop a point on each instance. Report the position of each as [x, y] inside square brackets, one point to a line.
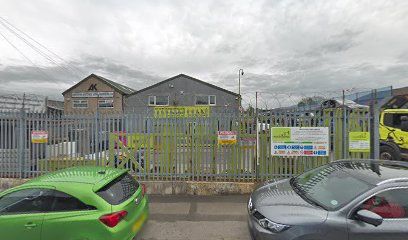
[174, 147]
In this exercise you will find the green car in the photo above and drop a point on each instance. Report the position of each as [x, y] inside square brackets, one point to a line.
[79, 203]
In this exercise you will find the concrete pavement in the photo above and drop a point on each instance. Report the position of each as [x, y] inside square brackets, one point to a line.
[196, 217]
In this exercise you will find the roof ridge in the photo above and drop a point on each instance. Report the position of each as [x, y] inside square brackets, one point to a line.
[189, 77]
[125, 90]
[113, 82]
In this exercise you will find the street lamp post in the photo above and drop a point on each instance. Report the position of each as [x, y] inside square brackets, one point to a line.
[240, 72]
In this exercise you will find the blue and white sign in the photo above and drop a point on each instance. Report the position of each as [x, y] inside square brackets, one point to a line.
[296, 141]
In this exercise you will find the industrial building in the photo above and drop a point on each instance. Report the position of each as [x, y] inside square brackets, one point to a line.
[95, 94]
[182, 93]
[176, 95]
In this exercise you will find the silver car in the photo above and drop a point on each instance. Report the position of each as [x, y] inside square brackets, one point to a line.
[353, 199]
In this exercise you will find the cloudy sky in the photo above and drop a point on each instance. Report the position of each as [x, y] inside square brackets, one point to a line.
[290, 47]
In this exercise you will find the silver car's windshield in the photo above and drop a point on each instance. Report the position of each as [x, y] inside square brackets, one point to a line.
[329, 186]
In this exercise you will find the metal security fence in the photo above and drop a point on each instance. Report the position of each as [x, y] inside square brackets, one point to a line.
[169, 146]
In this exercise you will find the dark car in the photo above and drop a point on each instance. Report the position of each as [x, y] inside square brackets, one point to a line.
[353, 199]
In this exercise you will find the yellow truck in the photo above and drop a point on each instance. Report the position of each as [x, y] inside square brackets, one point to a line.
[393, 125]
[394, 134]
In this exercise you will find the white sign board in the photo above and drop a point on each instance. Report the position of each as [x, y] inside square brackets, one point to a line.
[227, 137]
[39, 136]
[300, 141]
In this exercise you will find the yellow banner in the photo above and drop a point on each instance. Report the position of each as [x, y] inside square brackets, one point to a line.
[182, 112]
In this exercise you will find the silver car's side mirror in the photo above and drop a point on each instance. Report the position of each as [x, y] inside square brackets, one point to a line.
[369, 217]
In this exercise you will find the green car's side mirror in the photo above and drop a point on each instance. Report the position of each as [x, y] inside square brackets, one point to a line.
[369, 217]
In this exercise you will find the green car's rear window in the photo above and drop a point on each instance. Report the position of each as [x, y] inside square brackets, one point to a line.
[119, 190]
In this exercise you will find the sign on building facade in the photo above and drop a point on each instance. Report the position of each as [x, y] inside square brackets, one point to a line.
[92, 95]
[181, 111]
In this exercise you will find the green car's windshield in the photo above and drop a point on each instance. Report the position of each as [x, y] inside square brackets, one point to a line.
[329, 186]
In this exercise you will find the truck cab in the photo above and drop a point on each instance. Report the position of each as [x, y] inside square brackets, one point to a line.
[394, 134]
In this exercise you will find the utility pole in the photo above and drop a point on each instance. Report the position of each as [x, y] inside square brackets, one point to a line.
[257, 135]
[23, 102]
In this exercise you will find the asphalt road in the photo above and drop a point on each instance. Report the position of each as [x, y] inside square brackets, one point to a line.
[196, 217]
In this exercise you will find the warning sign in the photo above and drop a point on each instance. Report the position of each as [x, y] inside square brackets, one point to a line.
[297, 141]
[359, 142]
[227, 137]
[39, 136]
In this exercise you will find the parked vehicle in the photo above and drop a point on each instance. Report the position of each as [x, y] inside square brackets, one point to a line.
[393, 126]
[93, 203]
[394, 134]
[353, 199]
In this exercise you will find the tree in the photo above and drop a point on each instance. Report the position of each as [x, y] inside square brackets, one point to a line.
[250, 110]
[310, 101]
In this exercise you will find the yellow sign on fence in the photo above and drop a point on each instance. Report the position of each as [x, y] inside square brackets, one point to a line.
[182, 112]
[227, 137]
[359, 141]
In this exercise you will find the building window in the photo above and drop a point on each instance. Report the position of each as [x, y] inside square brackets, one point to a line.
[105, 103]
[205, 100]
[80, 104]
[158, 100]
[212, 99]
[152, 100]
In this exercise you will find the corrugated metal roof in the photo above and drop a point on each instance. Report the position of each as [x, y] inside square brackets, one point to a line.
[31, 102]
[122, 88]
[54, 104]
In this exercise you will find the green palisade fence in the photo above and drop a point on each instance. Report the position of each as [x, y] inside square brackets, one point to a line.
[169, 147]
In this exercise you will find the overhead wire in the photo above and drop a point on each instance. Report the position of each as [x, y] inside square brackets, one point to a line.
[69, 67]
[41, 45]
[34, 48]
[73, 67]
[38, 69]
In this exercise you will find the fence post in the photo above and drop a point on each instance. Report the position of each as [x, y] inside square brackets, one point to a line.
[96, 147]
[375, 126]
[21, 141]
[376, 133]
[344, 128]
